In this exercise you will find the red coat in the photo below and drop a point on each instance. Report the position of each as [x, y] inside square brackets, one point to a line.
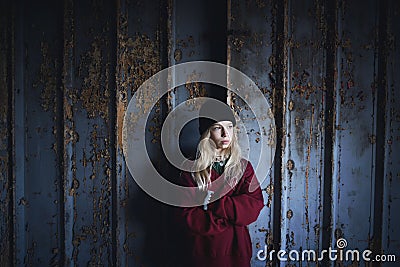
[219, 235]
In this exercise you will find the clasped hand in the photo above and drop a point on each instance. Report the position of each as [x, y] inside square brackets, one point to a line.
[207, 199]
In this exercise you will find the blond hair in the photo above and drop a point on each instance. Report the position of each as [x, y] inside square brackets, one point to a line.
[206, 154]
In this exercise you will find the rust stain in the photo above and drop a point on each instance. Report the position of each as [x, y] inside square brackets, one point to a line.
[270, 192]
[95, 93]
[303, 86]
[184, 44]
[47, 79]
[271, 135]
[74, 187]
[238, 43]
[178, 55]
[307, 174]
[70, 136]
[270, 189]
[68, 114]
[122, 69]
[195, 89]
[291, 105]
[138, 60]
[120, 118]
[289, 214]
[290, 165]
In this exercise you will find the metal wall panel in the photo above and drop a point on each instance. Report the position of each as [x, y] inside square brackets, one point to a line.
[67, 72]
[88, 105]
[6, 221]
[36, 172]
[356, 116]
[303, 160]
[251, 28]
[391, 161]
[141, 39]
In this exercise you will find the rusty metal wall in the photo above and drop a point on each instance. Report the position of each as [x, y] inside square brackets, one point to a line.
[68, 69]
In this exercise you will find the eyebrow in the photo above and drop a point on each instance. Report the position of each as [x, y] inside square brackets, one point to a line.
[218, 124]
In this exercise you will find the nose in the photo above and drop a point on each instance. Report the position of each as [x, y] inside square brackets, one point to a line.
[224, 132]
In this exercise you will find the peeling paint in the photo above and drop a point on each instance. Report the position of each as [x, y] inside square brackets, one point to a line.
[138, 60]
[290, 165]
[178, 55]
[291, 105]
[195, 89]
[270, 192]
[296, 86]
[95, 92]
[47, 79]
[289, 214]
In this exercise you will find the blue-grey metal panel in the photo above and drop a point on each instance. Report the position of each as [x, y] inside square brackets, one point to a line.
[67, 72]
[6, 221]
[303, 157]
[88, 104]
[250, 50]
[355, 152]
[37, 78]
[67, 126]
[141, 52]
[391, 197]
[197, 32]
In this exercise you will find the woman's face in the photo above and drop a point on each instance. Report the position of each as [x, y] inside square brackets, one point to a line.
[221, 133]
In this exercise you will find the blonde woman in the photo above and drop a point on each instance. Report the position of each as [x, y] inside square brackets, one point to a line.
[216, 234]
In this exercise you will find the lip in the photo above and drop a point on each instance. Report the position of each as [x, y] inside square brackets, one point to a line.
[225, 142]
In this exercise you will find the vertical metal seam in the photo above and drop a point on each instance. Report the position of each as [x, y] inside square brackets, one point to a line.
[67, 200]
[380, 127]
[60, 147]
[11, 134]
[60, 158]
[113, 133]
[19, 117]
[121, 178]
[163, 46]
[329, 121]
[278, 105]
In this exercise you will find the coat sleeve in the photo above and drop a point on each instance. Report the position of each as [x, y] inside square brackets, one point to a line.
[196, 219]
[244, 206]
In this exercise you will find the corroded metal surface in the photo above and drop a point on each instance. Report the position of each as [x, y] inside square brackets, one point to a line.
[6, 221]
[250, 49]
[88, 142]
[355, 158]
[302, 193]
[67, 73]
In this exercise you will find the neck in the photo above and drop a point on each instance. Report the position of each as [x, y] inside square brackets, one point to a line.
[221, 154]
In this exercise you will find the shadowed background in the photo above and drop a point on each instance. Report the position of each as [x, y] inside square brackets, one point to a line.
[68, 69]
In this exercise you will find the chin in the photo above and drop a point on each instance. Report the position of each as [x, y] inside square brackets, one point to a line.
[223, 146]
